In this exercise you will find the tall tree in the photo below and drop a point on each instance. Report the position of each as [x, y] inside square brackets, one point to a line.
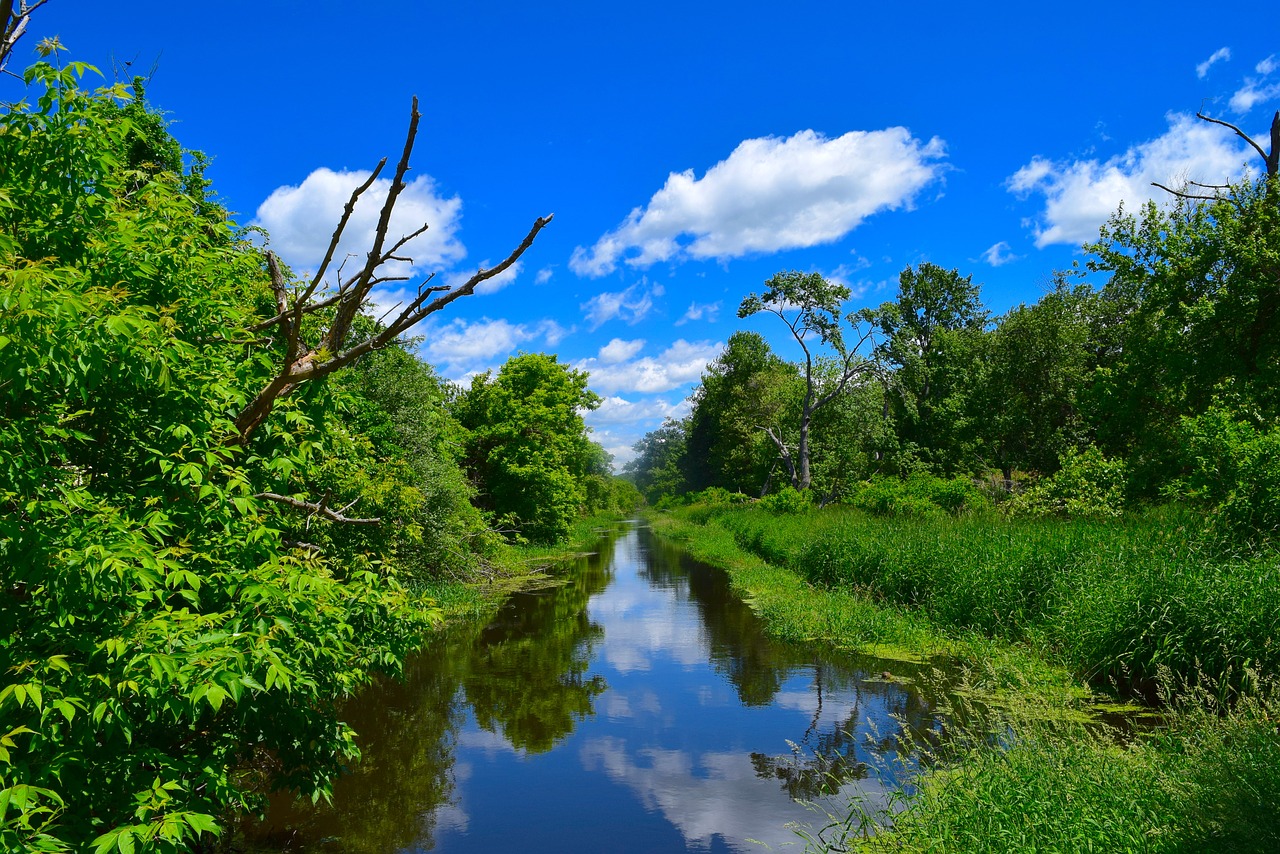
[810, 307]
[933, 337]
[746, 388]
[1039, 361]
[528, 448]
[1191, 308]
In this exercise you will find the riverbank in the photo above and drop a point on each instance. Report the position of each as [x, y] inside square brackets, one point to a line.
[520, 567]
[1000, 604]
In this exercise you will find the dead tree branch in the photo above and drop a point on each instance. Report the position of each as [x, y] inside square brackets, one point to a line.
[302, 363]
[13, 23]
[316, 508]
[1271, 159]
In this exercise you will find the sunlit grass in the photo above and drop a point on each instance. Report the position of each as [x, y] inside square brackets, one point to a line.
[1021, 606]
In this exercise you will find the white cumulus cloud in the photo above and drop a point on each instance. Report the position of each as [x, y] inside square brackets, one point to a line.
[683, 362]
[1218, 55]
[1079, 195]
[770, 194]
[462, 348]
[301, 221]
[618, 350]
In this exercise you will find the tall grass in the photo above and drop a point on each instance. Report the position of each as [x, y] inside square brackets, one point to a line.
[1115, 600]
[1209, 782]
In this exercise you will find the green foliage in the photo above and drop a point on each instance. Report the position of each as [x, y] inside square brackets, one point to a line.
[919, 494]
[717, 496]
[1116, 601]
[1087, 485]
[169, 655]
[658, 468]
[399, 403]
[1234, 475]
[1038, 366]
[745, 388]
[810, 306]
[1191, 307]
[786, 501]
[933, 338]
[527, 447]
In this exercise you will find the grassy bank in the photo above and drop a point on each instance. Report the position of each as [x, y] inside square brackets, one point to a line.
[1116, 602]
[516, 568]
[1031, 608]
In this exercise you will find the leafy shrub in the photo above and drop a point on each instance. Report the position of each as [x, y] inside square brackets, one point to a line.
[1235, 474]
[1087, 486]
[717, 496]
[788, 500]
[918, 495]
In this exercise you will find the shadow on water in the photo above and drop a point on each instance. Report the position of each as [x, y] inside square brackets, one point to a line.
[638, 705]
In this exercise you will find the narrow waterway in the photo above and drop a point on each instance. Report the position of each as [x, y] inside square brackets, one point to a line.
[637, 706]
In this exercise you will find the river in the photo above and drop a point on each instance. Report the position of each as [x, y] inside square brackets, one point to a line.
[636, 705]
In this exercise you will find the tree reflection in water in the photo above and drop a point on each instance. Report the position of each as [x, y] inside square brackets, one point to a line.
[462, 753]
[527, 677]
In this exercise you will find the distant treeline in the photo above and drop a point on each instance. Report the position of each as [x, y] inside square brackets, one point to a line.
[1152, 372]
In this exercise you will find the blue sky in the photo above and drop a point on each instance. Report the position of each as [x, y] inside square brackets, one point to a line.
[691, 150]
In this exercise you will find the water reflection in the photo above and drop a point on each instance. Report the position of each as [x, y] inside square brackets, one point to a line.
[637, 706]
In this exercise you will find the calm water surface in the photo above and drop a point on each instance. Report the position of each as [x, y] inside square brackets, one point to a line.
[638, 706]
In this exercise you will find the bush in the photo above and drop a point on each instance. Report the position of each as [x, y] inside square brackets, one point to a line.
[1235, 475]
[788, 500]
[918, 495]
[1087, 486]
[717, 496]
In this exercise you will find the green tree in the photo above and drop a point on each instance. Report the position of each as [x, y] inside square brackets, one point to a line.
[810, 307]
[1039, 362]
[658, 468]
[933, 340]
[745, 390]
[173, 644]
[1191, 309]
[528, 448]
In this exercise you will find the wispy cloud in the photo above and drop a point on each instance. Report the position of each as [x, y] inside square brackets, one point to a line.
[1219, 55]
[631, 305]
[700, 311]
[1255, 90]
[999, 255]
[770, 194]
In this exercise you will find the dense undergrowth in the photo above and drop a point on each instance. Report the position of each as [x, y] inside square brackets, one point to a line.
[1026, 606]
[1115, 601]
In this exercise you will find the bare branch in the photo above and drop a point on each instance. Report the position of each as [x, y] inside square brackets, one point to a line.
[315, 508]
[308, 309]
[342, 223]
[301, 363]
[1182, 195]
[1269, 159]
[783, 451]
[348, 308]
[13, 24]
